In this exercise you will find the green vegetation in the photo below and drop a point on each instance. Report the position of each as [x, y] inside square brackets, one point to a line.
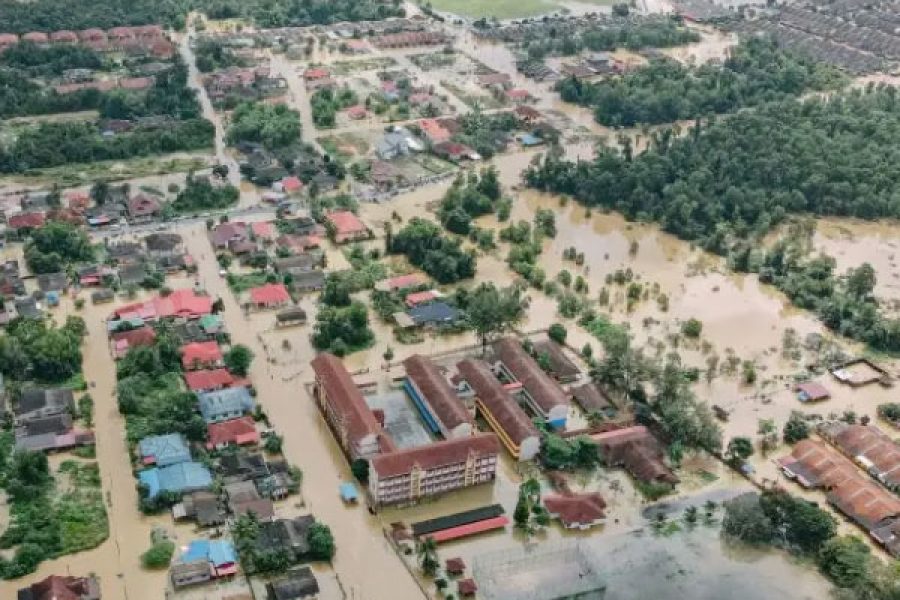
[890, 412]
[530, 516]
[468, 198]
[199, 194]
[50, 15]
[442, 258]
[487, 134]
[41, 61]
[665, 91]
[326, 103]
[273, 126]
[159, 555]
[238, 359]
[796, 428]
[44, 522]
[343, 331]
[491, 311]
[560, 453]
[557, 333]
[501, 9]
[727, 184]
[662, 33]
[55, 246]
[39, 350]
[269, 14]
[241, 282]
[211, 54]
[257, 559]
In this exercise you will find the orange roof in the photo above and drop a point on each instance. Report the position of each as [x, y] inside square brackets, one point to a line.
[454, 533]
[434, 130]
[417, 298]
[208, 379]
[345, 222]
[515, 423]
[344, 397]
[405, 281]
[315, 74]
[200, 352]
[270, 294]
[263, 229]
[433, 456]
[576, 509]
[236, 431]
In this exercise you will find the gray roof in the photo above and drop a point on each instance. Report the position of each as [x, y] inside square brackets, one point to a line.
[307, 279]
[162, 242]
[53, 282]
[35, 399]
[436, 312]
[132, 273]
[298, 583]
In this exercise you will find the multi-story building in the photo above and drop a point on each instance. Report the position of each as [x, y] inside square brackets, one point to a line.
[544, 396]
[405, 476]
[345, 409]
[440, 407]
[500, 410]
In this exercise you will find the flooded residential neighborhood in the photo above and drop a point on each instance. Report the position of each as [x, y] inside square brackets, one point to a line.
[381, 300]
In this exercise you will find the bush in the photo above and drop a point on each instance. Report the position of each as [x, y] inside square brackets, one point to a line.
[796, 428]
[557, 333]
[845, 560]
[692, 328]
[159, 555]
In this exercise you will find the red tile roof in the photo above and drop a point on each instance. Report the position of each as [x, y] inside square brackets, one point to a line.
[271, 294]
[576, 509]
[405, 281]
[461, 531]
[814, 391]
[875, 446]
[208, 379]
[436, 455]
[518, 94]
[315, 74]
[236, 431]
[37, 37]
[142, 205]
[502, 406]
[467, 587]
[180, 303]
[637, 450]
[434, 130]
[442, 399]
[57, 587]
[125, 340]
[540, 386]
[263, 229]
[346, 223]
[202, 353]
[417, 298]
[291, 184]
[344, 397]
[30, 220]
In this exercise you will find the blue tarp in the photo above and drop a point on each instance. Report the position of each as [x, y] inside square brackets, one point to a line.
[218, 552]
[348, 492]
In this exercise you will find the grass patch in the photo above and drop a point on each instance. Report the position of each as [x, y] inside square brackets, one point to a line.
[501, 9]
[239, 283]
[78, 174]
[338, 145]
[345, 67]
[483, 101]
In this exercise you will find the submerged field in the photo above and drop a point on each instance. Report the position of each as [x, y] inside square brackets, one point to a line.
[504, 9]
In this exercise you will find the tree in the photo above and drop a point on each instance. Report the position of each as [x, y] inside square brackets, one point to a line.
[557, 333]
[337, 290]
[426, 550]
[861, 281]
[692, 328]
[845, 560]
[796, 428]
[159, 555]
[321, 542]
[492, 311]
[238, 359]
[360, 470]
[273, 443]
[746, 521]
[800, 525]
[739, 449]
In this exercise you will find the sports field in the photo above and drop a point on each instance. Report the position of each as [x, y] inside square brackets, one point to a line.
[505, 9]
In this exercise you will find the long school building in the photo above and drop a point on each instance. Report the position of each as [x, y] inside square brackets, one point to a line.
[441, 409]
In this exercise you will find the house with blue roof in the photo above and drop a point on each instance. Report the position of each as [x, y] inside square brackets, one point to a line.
[435, 314]
[225, 404]
[164, 450]
[179, 478]
[204, 560]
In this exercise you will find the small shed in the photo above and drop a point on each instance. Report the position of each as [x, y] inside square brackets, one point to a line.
[811, 391]
[291, 316]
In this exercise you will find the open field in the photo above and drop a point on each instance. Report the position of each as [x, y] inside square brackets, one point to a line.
[118, 170]
[502, 9]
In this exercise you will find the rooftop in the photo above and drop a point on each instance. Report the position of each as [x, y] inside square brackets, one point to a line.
[437, 391]
[540, 386]
[501, 405]
[436, 455]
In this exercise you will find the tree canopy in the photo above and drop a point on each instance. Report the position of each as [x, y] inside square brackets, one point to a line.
[273, 126]
[439, 256]
[55, 245]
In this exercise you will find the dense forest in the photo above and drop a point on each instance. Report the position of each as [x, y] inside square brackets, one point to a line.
[300, 13]
[52, 15]
[666, 91]
[273, 126]
[634, 36]
[48, 61]
[20, 96]
[726, 183]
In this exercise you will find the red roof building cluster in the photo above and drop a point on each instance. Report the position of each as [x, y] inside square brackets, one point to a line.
[635, 449]
[433, 390]
[185, 304]
[577, 511]
[208, 380]
[347, 226]
[239, 432]
[26, 220]
[197, 355]
[270, 295]
[545, 395]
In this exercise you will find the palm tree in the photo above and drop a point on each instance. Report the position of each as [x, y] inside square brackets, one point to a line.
[427, 554]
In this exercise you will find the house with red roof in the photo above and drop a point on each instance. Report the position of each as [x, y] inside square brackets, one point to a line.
[518, 95]
[357, 112]
[401, 282]
[210, 380]
[142, 208]
[271, 295]
[225, 234]
[288, 185]
[313, 74]
[577, 511]
[8, 39]
[58, 587]
[135, 83]
[198, 355]
[454, 151]
[434, 131]
[298, 244]
[63, 36]
[184, 304]
[122, 341]
[417, 298]
[263, 230]
[344, 226]
[36, 37]
[26, 220]
[238, 432]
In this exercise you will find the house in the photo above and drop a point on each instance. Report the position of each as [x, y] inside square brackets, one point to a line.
[455, 566]
[307, 281]
[198, 355]
[103, 295]
[344, 408]
[593, 400]
[577, 511]
[178, 478]
[93, 275]
[51, 433]
[222, 405]
[262, 508]
[270, 295]
[36, 37]
[238, 432]
[29, 308]
[527, 114]
[454, 151]
[38, 403]
[208, 380]
[183, 304]
[122, 341]
[242, 465]
[142, 208]
[577, 71]
[298, 244]
[408, 475]
[638, 451]
[401, 282]
[435, 314]
[357, 112]
[518, 95]
[393, 144]
[811, 391]
[437, 402]
[295, 585]
[25, 220]
[263, 230]
[286, 535]
[544, 395]
[225, 234]
[290, 316]
[57, 587]
[313, 74]
[869, 447]
[184, 574]
[164, 244]
[500, 410]
[133, 274]
[344, 226]
[123, 252]
[53, 282]
[8, 39]
[218, 555]
[164, 450]
[434, 131]
[561, 367]
[494, 79]
[203, 507]
[423, 297]
[466, 588]
[384, 175]
[306, 261]
[288, 185]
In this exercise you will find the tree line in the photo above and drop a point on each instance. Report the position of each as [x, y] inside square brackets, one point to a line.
[441, 257]
[632, 35]
[666, 91]
[50, 15]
